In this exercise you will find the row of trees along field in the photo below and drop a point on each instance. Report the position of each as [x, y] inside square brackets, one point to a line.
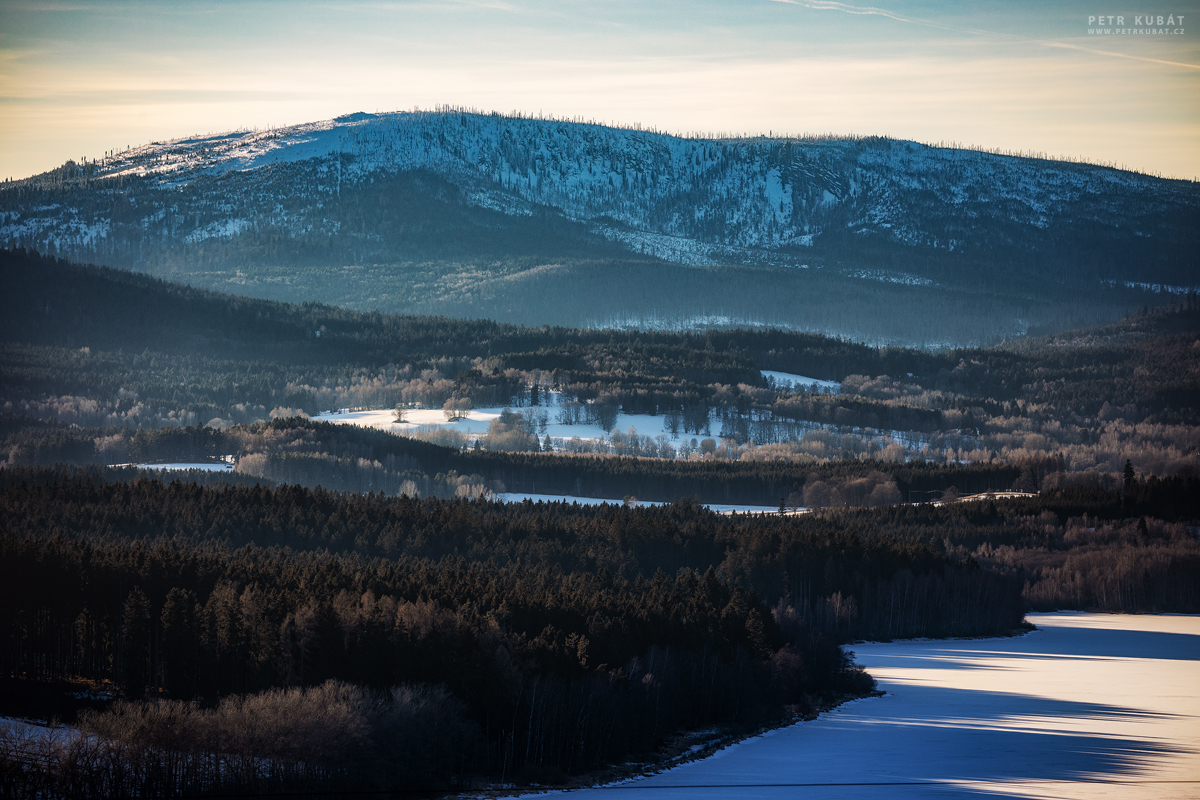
[348, 458]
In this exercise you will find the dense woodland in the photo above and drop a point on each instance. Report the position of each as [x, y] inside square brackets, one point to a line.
[1133, 549]
[363, 582]
[537, 639]
[558, 627]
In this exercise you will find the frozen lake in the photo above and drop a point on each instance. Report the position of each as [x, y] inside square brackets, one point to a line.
[205, 466]
[1088, 706]
[720, 508]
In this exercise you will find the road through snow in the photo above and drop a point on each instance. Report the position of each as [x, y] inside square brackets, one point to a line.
[1087, 706]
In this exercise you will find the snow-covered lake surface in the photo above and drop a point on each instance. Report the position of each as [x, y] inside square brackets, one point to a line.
[1087, 706]
[201, 465]
[720, 508]
[791, 380]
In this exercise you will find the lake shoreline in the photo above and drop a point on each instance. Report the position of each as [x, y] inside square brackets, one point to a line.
[1085, 705]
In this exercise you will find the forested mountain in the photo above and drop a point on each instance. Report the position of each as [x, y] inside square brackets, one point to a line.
[544, 221]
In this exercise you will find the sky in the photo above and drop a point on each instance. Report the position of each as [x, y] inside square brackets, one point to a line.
[1055, 78]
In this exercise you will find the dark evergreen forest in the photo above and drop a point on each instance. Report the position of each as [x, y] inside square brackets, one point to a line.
[532, 618]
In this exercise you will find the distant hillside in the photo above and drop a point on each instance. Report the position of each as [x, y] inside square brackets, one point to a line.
[542, 221]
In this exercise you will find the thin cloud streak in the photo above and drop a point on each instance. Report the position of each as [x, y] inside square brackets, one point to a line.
[414, 5]
[863, 11]
[1066, 46]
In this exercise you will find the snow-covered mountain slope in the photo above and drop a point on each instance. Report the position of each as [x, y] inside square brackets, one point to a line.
[686, 200]
[542, 221]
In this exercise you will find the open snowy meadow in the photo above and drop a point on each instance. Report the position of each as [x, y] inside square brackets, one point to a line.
[475, 422]
[1087, 706]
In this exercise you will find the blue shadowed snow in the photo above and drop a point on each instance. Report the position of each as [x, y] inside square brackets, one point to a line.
[1089, 705]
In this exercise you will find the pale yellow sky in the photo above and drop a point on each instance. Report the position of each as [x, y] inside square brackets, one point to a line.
[79, 80]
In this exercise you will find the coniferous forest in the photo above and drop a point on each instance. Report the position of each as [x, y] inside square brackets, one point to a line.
[347, 609]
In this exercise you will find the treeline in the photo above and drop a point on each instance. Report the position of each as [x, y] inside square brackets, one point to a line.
[781, 559]
[339, 457]
[280, 742]
[532, 616]
[1129, 550]
[53, 303]
[552, 667]
[49, 300]
[1142, 568]
[348, 458]
[27, 441]
[821, 577]
[762, 483]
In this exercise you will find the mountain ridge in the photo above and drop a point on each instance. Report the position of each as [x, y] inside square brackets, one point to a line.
[476, 191]
[632, 177]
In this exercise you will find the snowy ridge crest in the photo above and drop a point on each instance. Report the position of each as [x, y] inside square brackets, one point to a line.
[692, 201]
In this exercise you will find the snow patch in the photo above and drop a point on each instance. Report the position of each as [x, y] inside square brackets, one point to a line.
[221, 229]
[720, 508]
[791, 380]
[1161, 288]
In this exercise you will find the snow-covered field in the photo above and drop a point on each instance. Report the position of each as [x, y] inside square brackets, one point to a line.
[791, 380]
[476, 422]
[1087, 706]
[384, 419]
